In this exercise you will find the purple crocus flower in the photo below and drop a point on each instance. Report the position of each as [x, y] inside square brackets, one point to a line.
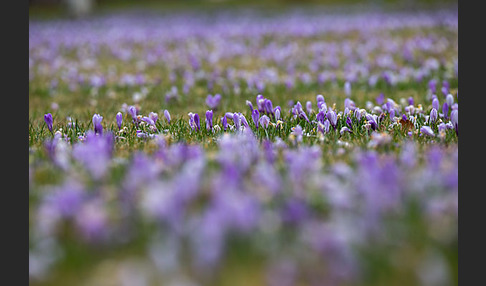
[410, 101]
[98, 128]
[132, 110]
[154, 116]
[209, 120]
[427, 131]
[277, 114]
[224, 122]
[213, 101]
[308, 106]
[148, 120]
[347, 88]
[243, 121]
[345, 129]
[450, 99]
[249, 105]
[48, 119]
[332, 116]
[445, 110]
[268, 106]
[255, 115]
[380, 99]
[349, 122]
[433, 115]
[197, 122]
[264, 121]
[236, 120]
[119, 119]
[455, 119]
[260, 100]
[167, 115]
[323, 127]
[302, 114]
[435, 103]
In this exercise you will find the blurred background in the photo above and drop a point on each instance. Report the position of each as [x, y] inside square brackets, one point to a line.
[84, 8]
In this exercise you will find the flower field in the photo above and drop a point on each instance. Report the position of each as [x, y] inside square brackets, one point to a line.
[302, 147]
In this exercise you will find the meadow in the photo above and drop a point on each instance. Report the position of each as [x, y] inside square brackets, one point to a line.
[303, 147]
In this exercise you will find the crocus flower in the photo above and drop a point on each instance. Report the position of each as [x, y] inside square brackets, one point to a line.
[450, 99]
[264, 121]
[297, 132]
[427, 131]
[48, 119]
[98, 128]
[347, 88]
[249, 105]
[435, 103]
[349, 122]
[277, 114]
[268, 106]
[148, 120]
[197, 122]
[213, 101]
[236, 121]
[119, 119]
[167, 115]
[224, 122]
[255, 115]
[455, 119]
[154, 116]
[445, 110]
[332, 116]
[308, 106]
[209, 120]
[132, 110]
[345, 129]
[433, 115]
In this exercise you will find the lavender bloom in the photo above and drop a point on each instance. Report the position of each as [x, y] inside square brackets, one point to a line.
[264, 121]
[372, 121]
[345, 129]
[427, 131]
[277, 114]
[347, 88]
[119, 119]
[236, 120]
[132, 110]
[302, 114]
[154, 116]
[297, 132]
[95, 153]
[98, 128]
[167, 115]
[148, 120]
[410, 101]
[308, 106]
[349, 122]
[224, 122]
[48, 119]
[433, 116]
[445, 110]
[255, 115]
[213, 101]
[250, 105]
[260, 100]
[435, 103]
[209, 120]
[450, 99]
[455, 120]
[196, 121]
[380, 99]
[332, 116]
[268, 106]
[243, 121]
